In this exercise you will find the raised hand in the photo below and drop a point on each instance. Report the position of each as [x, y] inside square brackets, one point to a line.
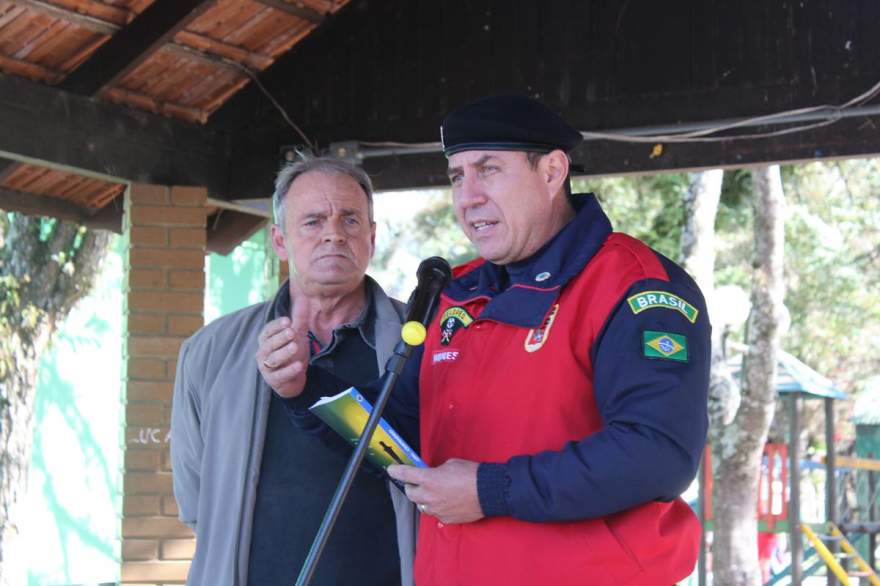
[283, 353]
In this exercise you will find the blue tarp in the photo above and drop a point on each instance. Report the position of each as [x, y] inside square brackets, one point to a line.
[793, 376]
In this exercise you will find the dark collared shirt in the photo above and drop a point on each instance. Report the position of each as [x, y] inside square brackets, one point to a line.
[351, 352]
[298, 476]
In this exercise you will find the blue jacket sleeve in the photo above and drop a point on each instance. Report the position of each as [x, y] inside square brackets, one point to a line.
[651, 378]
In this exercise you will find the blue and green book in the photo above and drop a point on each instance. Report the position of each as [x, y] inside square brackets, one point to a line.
[347, 414]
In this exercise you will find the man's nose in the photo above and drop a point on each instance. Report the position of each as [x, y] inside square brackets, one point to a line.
[333, 232]
[469, 192]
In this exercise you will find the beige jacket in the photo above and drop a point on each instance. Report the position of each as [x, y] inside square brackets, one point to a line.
[218, 425]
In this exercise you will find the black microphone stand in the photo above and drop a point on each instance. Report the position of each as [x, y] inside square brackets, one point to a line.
[433, 274]
[393, 368]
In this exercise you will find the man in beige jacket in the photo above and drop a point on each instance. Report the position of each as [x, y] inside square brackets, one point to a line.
[253, 487]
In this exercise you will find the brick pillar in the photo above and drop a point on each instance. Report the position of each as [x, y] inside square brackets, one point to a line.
[164, 298]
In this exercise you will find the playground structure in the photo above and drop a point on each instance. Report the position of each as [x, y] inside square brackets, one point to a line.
[840, 530]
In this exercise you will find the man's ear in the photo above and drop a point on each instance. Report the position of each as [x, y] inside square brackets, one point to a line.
[372, 239]
[278, 242]
[554, 169]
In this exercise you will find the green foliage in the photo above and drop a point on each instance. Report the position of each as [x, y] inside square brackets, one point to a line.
[239, 278]
[833, 268]
[442, 235]
[734, 228]
[45, 266]
[832, 252]
[650, 208]
[832, 249]
[412, 226]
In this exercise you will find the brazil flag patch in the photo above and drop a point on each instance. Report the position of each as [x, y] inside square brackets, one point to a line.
[665, 346]
[650, 299]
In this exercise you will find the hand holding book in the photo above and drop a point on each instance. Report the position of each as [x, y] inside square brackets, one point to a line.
[347, 413]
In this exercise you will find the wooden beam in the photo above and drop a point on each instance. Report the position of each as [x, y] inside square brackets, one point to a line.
[153, 104]
[132, 45]
[208, 58]
[372, 91]
[297, 10]
[220, 56]
[108, 12]
[848, 138]
[108, 218]
[257, 159]
[228, 228]
[858, 463]
[81, 20]
[45, 126]
[214, 46]
[29, 70]
[7, 166]
[261, 207]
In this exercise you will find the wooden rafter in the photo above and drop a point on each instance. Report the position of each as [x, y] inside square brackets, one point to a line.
[296, 10]
[107, 12]
[108, 218]
[7, 167]
[206, 58]
[153, 104]
[210, 45]
[82, 20]
[30, 70]
[226, 228]
[205, 47]
[132, 45]
[44, 126]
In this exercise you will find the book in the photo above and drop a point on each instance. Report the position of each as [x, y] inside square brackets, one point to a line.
[347, 413]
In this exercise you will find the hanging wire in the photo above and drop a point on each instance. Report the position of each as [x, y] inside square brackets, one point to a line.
[833, 113]
[830, 113]
[253, 76]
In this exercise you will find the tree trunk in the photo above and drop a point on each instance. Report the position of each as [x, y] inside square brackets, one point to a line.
[737, 447]
[698, 236]
[698, 252]
[46, 266]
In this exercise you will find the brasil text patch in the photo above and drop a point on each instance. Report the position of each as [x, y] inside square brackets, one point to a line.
[663, 299]
[664, 345]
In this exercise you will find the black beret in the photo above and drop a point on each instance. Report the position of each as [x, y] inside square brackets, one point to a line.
[506, 123]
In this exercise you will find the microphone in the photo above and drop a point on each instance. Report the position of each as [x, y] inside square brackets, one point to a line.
[432, 276]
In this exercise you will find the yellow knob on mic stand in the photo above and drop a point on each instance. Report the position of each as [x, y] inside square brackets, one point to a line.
[413, 333]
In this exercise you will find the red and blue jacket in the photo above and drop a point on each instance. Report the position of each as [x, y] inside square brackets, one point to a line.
[579, 379]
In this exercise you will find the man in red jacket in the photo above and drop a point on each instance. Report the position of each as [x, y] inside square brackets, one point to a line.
[560, 396]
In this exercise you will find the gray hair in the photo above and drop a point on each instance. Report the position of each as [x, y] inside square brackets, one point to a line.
[290, 171]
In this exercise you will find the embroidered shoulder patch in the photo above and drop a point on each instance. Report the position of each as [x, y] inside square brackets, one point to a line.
[651, 299]
[665, 345]
[451, 320]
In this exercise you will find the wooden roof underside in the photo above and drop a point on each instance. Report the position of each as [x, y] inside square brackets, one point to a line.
[182, 59]
[97, 93]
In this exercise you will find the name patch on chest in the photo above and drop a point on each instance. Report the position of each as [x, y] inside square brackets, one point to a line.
[450, 322]
[444, 356]
[662, 299]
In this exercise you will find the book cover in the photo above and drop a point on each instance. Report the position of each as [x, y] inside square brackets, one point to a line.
[347, 414]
